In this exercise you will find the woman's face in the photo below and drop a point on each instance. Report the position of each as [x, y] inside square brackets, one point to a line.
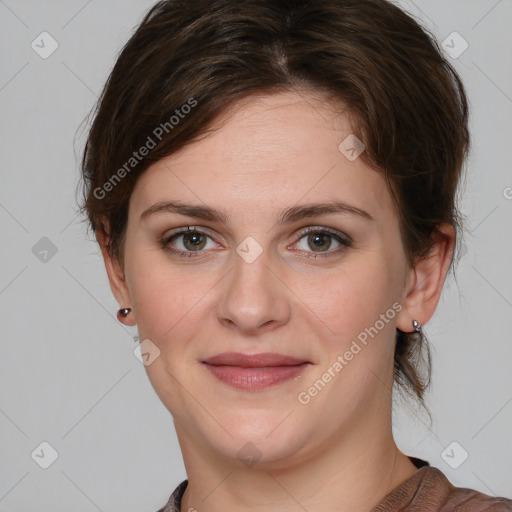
[273, 275]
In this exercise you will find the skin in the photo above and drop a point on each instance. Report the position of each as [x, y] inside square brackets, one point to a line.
[268, 153]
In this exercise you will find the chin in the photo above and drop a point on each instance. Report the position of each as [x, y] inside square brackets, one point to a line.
[263, 452]
[264, 440]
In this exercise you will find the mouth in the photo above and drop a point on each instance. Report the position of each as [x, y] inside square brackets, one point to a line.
[254, 372]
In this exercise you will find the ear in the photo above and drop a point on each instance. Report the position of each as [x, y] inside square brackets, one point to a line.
[115, 274]
[426, 280]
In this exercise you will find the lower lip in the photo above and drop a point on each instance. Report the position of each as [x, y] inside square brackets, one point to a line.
[255, 379]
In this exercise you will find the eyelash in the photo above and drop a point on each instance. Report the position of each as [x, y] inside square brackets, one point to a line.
[345, 241]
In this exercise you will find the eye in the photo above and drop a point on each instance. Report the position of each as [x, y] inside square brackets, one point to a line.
[193, 242]
[188, 243]
[321, 240]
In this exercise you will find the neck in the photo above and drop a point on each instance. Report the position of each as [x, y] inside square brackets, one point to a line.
[351, 472]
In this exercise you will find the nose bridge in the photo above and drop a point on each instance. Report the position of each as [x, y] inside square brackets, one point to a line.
[252, 296]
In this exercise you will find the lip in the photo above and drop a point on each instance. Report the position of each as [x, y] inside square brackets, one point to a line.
[254, 372]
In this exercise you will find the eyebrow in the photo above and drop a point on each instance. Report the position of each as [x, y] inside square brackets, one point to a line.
[290, 215]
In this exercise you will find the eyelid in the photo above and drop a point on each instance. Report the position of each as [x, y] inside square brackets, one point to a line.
[300, 233]
[339, 236]
[186, 229]
[324, 229]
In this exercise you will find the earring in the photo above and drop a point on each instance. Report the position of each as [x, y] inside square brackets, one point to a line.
[416, 325]
[123, 313]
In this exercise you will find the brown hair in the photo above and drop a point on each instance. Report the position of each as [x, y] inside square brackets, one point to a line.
[189, 60]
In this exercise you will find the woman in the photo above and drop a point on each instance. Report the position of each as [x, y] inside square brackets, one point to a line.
[272, 187]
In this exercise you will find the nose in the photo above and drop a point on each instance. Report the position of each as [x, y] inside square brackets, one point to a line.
[253, 297]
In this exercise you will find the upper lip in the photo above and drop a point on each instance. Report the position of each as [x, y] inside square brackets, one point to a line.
[253, 361]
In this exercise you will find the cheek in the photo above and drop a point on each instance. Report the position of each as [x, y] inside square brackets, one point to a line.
[360, 307]
[169, 312]
[166, 304]
[353, 299]
[169, 298]
[152, 289]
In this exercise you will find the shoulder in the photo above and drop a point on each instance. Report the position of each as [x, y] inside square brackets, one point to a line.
[174, 502]
[463, 499]
[428, 490]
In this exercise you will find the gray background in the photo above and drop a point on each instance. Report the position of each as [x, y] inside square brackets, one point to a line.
[68, 375]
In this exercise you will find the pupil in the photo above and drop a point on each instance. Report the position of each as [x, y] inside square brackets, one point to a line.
[317, 240]
[193, 239]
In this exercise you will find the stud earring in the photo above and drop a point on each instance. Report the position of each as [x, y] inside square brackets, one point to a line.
[123, 313]
[416, 325]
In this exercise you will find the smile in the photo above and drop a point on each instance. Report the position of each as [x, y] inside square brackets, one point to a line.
[254, 372]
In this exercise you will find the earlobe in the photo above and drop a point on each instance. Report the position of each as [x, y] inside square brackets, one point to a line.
[427, 279]
[116, 278]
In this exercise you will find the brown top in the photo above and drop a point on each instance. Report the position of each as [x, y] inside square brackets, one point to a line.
[427, 490]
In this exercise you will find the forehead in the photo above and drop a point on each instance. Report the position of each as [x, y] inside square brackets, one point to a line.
[263, 154]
